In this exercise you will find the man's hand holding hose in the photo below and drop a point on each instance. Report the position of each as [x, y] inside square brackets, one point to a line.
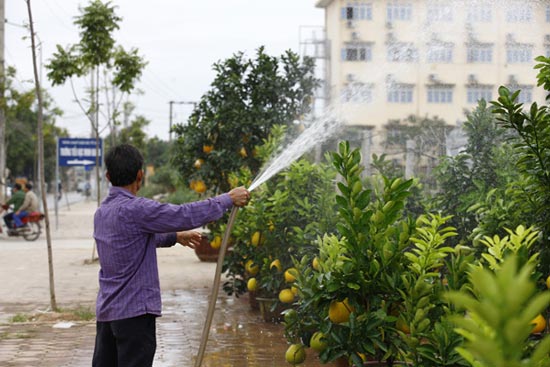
[240, 196]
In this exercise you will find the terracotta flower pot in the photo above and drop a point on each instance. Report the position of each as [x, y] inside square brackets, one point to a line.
[205, 252]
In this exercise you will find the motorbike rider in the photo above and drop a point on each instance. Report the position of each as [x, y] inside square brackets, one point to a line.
[17, 198]
[29, 205]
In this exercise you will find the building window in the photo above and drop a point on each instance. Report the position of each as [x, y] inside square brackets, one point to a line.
[440, 94]
[400, 94]
[357, 93]
[480, 53]
[399, 10]
[479, 13]
[526, 92]
[402, 52]
[518, 54]
[519, 13]
[439, 12]
[475, 93]
[547, 49]
[526, 95]
[357, 52]
[547, 13]
[357, 10]
[439, 53]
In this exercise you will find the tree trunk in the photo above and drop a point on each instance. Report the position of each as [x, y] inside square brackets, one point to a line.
[3, 145]
[53, 303]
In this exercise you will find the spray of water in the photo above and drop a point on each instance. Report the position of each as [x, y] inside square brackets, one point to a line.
[320, 130]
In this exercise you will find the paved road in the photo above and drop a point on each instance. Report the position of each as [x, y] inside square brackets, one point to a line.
[238, 336]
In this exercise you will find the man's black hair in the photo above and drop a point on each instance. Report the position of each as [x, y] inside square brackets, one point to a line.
[123, 163]
[28, 185]
[17, 186]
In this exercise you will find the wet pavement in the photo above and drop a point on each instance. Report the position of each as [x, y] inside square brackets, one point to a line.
[238, 338]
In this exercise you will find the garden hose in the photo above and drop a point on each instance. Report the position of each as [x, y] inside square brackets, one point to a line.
[215, 287]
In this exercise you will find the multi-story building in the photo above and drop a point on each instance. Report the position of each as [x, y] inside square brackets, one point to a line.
[390, 59]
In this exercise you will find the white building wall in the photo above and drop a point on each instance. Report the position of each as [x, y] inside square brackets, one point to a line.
[420, 74]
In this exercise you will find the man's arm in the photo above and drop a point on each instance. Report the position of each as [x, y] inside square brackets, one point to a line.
[184, 238]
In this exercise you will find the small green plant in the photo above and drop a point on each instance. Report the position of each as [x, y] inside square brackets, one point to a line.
[350, 292]
[497, 317]
[518, 243]
[429, 338]
[531, 141]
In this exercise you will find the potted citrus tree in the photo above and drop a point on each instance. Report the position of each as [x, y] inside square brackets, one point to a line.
[281, 222]
[247, 99]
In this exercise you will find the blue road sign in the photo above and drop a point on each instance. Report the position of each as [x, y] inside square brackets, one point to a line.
[78, 152]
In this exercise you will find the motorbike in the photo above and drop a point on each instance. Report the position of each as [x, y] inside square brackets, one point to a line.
[31, 229]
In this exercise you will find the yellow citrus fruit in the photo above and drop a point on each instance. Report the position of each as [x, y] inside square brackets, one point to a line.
[199, 187]
[286, 296]
[207, 148]
[291, 274]
[252, 284]
[539, 324]
[198, 163]
[256, 238]
[276, 264]
[318, 342]
[339, 311]
[548, 282]
[216, 242]
[271, 226]
[315, 263]
[294, 290]
[243, 152]
[251, 268]
[295, 354]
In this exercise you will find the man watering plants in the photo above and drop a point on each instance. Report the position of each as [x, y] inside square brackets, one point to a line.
[127, 230]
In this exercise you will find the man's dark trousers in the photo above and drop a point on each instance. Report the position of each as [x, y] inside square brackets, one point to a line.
[126, 343]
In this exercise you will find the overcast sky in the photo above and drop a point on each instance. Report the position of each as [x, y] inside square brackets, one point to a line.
[180, 40]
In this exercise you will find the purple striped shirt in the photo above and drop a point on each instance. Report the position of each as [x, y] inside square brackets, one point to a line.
[127, 231]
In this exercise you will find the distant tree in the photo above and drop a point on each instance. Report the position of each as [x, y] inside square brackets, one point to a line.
[157, 152]
[135, 134]
[247, 98]
[468, 182]
[429, 137]
[21, 138]
[98, 55]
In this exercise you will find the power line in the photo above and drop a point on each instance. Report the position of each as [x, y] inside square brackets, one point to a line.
[164, 84]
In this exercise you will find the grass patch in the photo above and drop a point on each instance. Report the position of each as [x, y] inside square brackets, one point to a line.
[20, 318]
[80, 313]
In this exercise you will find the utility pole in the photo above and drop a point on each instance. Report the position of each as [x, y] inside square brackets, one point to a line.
[3, 150]
[171, 103]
